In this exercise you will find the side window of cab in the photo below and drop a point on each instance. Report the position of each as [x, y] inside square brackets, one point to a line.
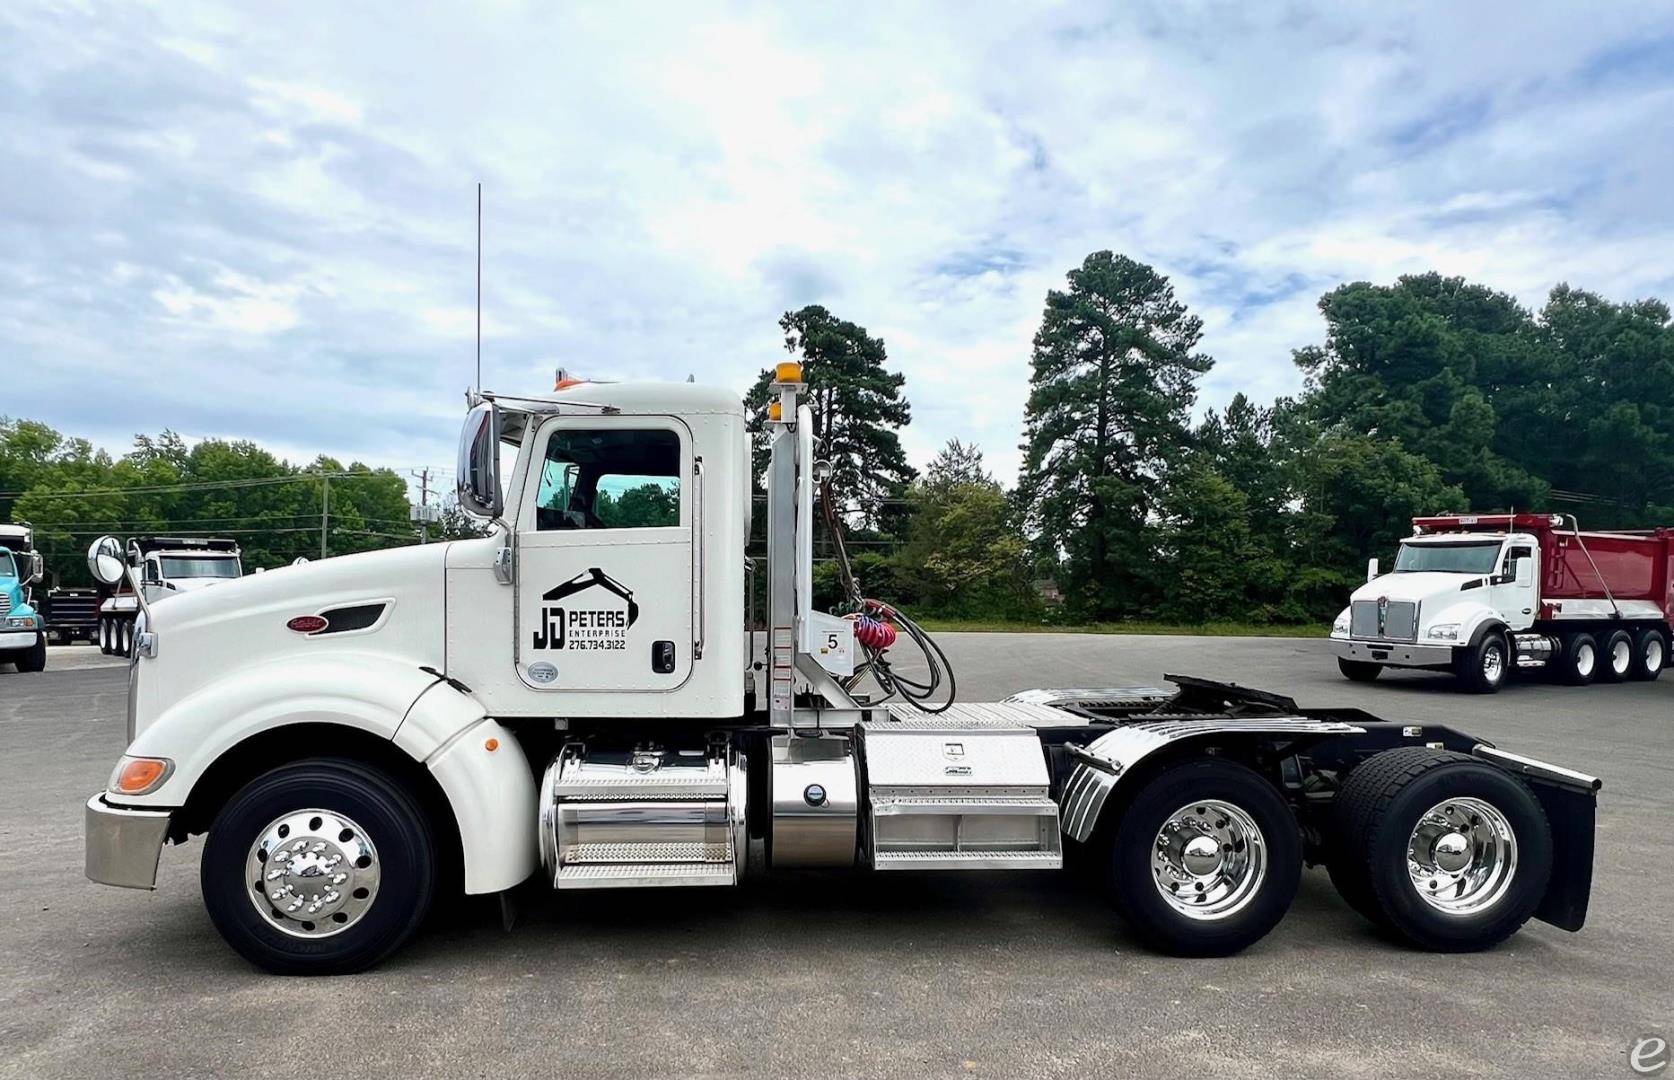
[609, 478]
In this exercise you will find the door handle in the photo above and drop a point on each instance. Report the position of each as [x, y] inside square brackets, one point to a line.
[697, 547]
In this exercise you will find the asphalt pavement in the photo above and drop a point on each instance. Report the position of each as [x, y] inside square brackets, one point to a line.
[834, 975]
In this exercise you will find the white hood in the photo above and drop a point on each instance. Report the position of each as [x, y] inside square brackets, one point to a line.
[1417, 586]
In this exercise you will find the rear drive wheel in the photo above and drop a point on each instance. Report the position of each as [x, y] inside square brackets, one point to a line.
[1481, 667]
[126, 645]
[323, 867]
[1650, 653]
[1206, 859]
[104, 636]
[1615, 656]
[1358, 670]
[1453, 852]
[1577, 662]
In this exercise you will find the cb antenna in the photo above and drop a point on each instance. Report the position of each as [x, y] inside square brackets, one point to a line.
[479, 286]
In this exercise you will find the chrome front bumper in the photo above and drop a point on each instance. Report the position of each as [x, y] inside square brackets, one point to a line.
[124, 843]
[1393, 653]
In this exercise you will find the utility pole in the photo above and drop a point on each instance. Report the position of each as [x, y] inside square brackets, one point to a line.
[424, 502]
[325, 512]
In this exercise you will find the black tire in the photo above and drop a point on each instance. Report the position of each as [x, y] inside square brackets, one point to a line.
[125, 644]
[1615, 656]
[102, 636]
[1139, 898]
[1358, 670]
[33, 658]
[1482, 668]
[1650, 654]
[391, 819]
[1577, 662]
[1376, 813]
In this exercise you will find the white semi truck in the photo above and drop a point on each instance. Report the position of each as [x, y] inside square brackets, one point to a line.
[578, 697]
[168, 566]
[1482, 595]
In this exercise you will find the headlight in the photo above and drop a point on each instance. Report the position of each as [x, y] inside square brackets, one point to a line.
[20, 622]
[1340, 628]
[1447, 631]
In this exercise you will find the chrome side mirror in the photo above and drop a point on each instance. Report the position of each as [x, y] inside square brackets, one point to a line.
[1371, 569]
[479, 462]
[37, 567]
[104, 561]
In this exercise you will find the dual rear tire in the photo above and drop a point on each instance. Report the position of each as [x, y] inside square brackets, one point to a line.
[1206, 859]
[1443, 850]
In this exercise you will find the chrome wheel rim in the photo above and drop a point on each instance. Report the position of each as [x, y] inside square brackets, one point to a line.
[312, 873]
[1462, 856]
[1621, 656]
[1493, 664]
[1585, 657]
[1208, 860]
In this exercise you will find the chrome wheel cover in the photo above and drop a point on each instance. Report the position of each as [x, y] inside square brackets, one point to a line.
[1493, 665]
[1208, 860]
[312, 873]
[1462, 856]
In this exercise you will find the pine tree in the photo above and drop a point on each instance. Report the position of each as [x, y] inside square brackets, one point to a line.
[1115, 374]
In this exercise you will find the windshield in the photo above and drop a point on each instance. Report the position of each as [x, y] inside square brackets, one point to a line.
[182, 566]
[1477, 558]
[8, 569]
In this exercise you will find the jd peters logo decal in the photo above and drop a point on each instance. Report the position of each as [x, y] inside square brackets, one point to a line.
[589, 625]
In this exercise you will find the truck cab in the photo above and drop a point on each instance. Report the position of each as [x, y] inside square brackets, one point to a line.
[586, 698]
[22, 627]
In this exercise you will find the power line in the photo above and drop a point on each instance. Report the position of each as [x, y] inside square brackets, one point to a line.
[204, 485]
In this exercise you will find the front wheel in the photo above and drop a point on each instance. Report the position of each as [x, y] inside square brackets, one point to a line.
[323, 867]
[1358, 670]
[34, 657]
[1481, 668]
[1448, 851]
[1206, 860]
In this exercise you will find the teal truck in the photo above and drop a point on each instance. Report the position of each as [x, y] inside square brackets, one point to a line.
[22, 628]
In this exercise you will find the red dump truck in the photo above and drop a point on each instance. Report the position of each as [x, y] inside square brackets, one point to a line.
[1480, 594]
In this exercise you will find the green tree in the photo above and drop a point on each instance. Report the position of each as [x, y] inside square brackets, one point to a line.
[1115, 371]
[857, 409]
[963, 553]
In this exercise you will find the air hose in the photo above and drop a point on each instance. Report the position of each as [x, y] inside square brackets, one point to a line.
[875, 630]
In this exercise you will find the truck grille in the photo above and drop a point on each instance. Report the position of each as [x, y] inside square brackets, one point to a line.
[1400, 620]
[5, 603]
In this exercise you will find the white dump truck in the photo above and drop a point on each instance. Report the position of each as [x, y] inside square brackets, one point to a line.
[1482, 595]
[578, 698]
[168, 566]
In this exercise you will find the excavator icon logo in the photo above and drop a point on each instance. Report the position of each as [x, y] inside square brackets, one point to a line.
[567, 626]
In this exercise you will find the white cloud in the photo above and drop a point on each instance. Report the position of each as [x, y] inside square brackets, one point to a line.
[281, 213]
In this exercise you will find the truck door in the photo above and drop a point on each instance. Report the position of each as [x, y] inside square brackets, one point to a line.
[1513, 589]
[605, 570]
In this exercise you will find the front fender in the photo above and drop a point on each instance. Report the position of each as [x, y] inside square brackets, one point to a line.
[485, 775]
[370, 692]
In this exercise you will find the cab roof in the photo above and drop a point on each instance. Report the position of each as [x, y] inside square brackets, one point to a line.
[646, 398]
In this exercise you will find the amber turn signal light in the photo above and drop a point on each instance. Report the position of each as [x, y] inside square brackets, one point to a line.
[136, 776]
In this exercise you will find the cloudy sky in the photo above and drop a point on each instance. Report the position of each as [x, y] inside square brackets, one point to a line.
[258, 220]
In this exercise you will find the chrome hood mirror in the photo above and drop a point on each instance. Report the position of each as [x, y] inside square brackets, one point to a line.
[104, 560]
[479, 462]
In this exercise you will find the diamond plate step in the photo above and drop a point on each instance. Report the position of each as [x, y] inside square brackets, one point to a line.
[623, 875]
[968, 860]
